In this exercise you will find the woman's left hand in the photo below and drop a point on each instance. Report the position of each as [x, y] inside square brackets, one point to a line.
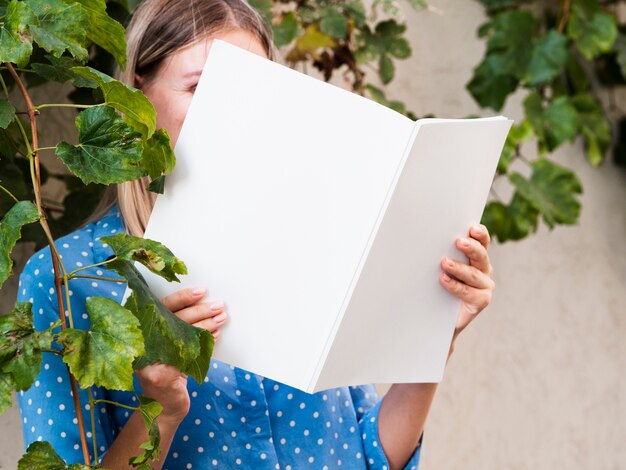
[471, 283]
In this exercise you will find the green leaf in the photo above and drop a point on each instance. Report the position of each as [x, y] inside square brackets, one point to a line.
[109, 150]
[286, 30]
[153, 255]
[41, 456]
[104, 30]
[548, 58]
[158, 157]
[552, 190]
[390, 28]
[15, 38]
[594, 126]
[103, 355]
[490, 85]
[22, 213]
[6, 392]
[386, 69]
[553, 124]
[60, 26]
[592, 30]
[512, 222]
[150, 410]
[168, 339]
[510, 34]
[518, 133]
[399, 48]
[333, 23]
[137, 109]
[7, 113]
[21, 345]
[264, 7]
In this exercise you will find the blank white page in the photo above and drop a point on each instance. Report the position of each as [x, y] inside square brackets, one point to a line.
[399, 321]
[279, 182]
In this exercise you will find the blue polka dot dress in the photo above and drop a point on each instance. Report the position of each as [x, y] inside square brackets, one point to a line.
[237, 419]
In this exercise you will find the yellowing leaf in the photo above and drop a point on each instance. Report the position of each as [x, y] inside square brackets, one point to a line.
[15, 38]
[104, 354]
[312, 40]
[60, 26]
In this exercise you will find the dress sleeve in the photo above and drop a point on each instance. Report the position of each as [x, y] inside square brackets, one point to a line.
[47, 407]
[367, 405]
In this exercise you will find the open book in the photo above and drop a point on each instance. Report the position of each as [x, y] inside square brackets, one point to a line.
[320, 217]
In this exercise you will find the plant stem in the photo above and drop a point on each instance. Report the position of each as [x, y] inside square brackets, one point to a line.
[44, 148]
[9, 193]
[72, 273]
[52, 351]
[100, 278]
[56, 259]
[92, 413]
[65, 105]
[101, 400]
[566, 11]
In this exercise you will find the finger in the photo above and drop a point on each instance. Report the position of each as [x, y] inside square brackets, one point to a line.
[467, 274]
[476, 299]
[213, 323]
[479, 232]
[475, 252]
[201, 311]
[183, 298]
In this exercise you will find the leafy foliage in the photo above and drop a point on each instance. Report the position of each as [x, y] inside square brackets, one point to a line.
[103, 355]
[168, 339]
[41, 456]
[20, 351]
[153, 255]
[22, 213]
[551, 58]
[151, 450]
[109, 150]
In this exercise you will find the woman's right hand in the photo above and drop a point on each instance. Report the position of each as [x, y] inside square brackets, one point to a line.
[165, 383]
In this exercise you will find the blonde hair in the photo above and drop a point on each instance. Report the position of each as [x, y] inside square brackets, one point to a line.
[158, 29]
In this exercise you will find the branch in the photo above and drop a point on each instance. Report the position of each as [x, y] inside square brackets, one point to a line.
[566, 11]
[56, 259]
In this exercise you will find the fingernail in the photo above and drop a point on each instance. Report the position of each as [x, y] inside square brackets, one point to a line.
[220, 318]
[446, 278]
[217, 305]
[464, 242]
[198, 291]
[478, 228]
[449, 262]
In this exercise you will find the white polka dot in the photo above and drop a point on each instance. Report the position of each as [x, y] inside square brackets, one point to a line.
[297, 450]
[289, 396]
[279, 413]
[225, 448]
[214, 462]
[311, 459]
[302, 405]
[316, 414]
[225, 379]
[247, 376]
[185, 438]
[238, 461]
[211, 434]
[200, 449]
[358, 455]
[276, 387]
[197, 422]
[320, 441]
[263, 456]
[257, 430]
[306, 432]
[292, 423]
[283, 441]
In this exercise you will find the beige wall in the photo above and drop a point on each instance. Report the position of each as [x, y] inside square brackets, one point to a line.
[538, 381]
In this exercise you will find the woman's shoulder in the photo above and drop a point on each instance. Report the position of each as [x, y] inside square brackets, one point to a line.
[77, 249]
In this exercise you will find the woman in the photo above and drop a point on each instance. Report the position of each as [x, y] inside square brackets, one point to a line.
[235, 418]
